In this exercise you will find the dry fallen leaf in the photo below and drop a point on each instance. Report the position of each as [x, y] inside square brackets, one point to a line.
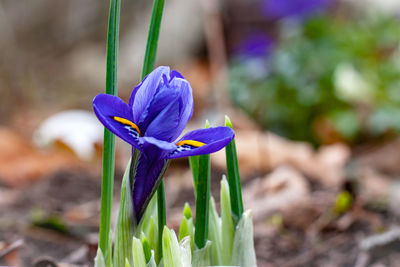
[260, 152]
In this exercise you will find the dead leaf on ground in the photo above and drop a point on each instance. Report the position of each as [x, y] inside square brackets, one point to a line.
[260, 152]
[21, 163]
[278, 191]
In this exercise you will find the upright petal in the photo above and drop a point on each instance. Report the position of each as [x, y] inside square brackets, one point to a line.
[186, 101]
[146, 90]
[203, 141]
[165, 125]
[161, 100]
[107, 108]
[149, 170]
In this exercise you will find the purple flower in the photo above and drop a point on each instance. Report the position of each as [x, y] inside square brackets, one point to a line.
[277, 9]
[158, 111]
[255, 45]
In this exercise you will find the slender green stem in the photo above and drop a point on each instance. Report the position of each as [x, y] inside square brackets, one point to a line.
[232, 166]
[152, 38]
[194, 166]
[202, 201]
[162, 218]
[109, 139]
[148, 65]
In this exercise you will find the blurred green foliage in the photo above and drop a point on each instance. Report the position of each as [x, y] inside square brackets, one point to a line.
[327, 79]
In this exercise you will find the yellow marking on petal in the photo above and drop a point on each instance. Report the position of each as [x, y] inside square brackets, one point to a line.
[127, 122]
[190, 143]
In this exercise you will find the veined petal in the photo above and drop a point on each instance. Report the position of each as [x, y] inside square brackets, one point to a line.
[116, 116]
[186, 101]
[160, 101]
[154, 148]
[203, 141]
[164, 126]
[148, 173]
[146, 90]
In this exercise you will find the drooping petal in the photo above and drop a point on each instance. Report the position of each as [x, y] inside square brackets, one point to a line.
[116, 116]
[203, 141]
[149, 170]
[145, 91]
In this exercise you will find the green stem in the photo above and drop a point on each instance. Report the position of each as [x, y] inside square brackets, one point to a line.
[232, 166]
[202, 201]
[152, 38]
[148, 66]
[162, 218]
[109, 139]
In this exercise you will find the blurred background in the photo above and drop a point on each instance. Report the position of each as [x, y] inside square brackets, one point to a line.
[311, 86]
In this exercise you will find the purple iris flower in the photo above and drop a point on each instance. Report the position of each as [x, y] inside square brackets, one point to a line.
[158, 111]
[255, 45]
[277, 9]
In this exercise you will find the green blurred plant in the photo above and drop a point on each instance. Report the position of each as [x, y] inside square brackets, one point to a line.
[328, 79]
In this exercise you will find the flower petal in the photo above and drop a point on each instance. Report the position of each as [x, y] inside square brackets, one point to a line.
[148, 171]
[143, 93]
[203, 141]
[106, 107]
[164, 126]
[161, 100]
[186, 101]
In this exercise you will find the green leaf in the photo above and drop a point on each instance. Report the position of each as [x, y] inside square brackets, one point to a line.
[202, 201]
[152, 38]
[227, 232]
[187, 211]
[186, 227]
[126, 224]
[153, 235]
[194, 166]
[148, 65]
[232, 166]
[171, 250]
[146, 247]
[162, 217]
[243, 245]
[138, 257]
[99, 259]
[201, 257]
[214, 234]
[152, 262]
[107, 183]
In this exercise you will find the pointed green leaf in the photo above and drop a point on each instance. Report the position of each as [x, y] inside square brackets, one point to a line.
[107, 181]
[99, 259]
[214, 235]
[152, 262]
[227, 231]
[202, 201]
[127, 264]
[187, 211]
[243, 245]
[138, 257]
[186, 251]
[201, 257]
[171, 250]
[186, 228]
[232, 167]
[146, 247]
[126, 224]
[194, 166]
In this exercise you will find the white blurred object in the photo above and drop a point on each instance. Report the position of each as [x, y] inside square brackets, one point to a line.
[78, 129]
[350, 85]
[381, 6]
